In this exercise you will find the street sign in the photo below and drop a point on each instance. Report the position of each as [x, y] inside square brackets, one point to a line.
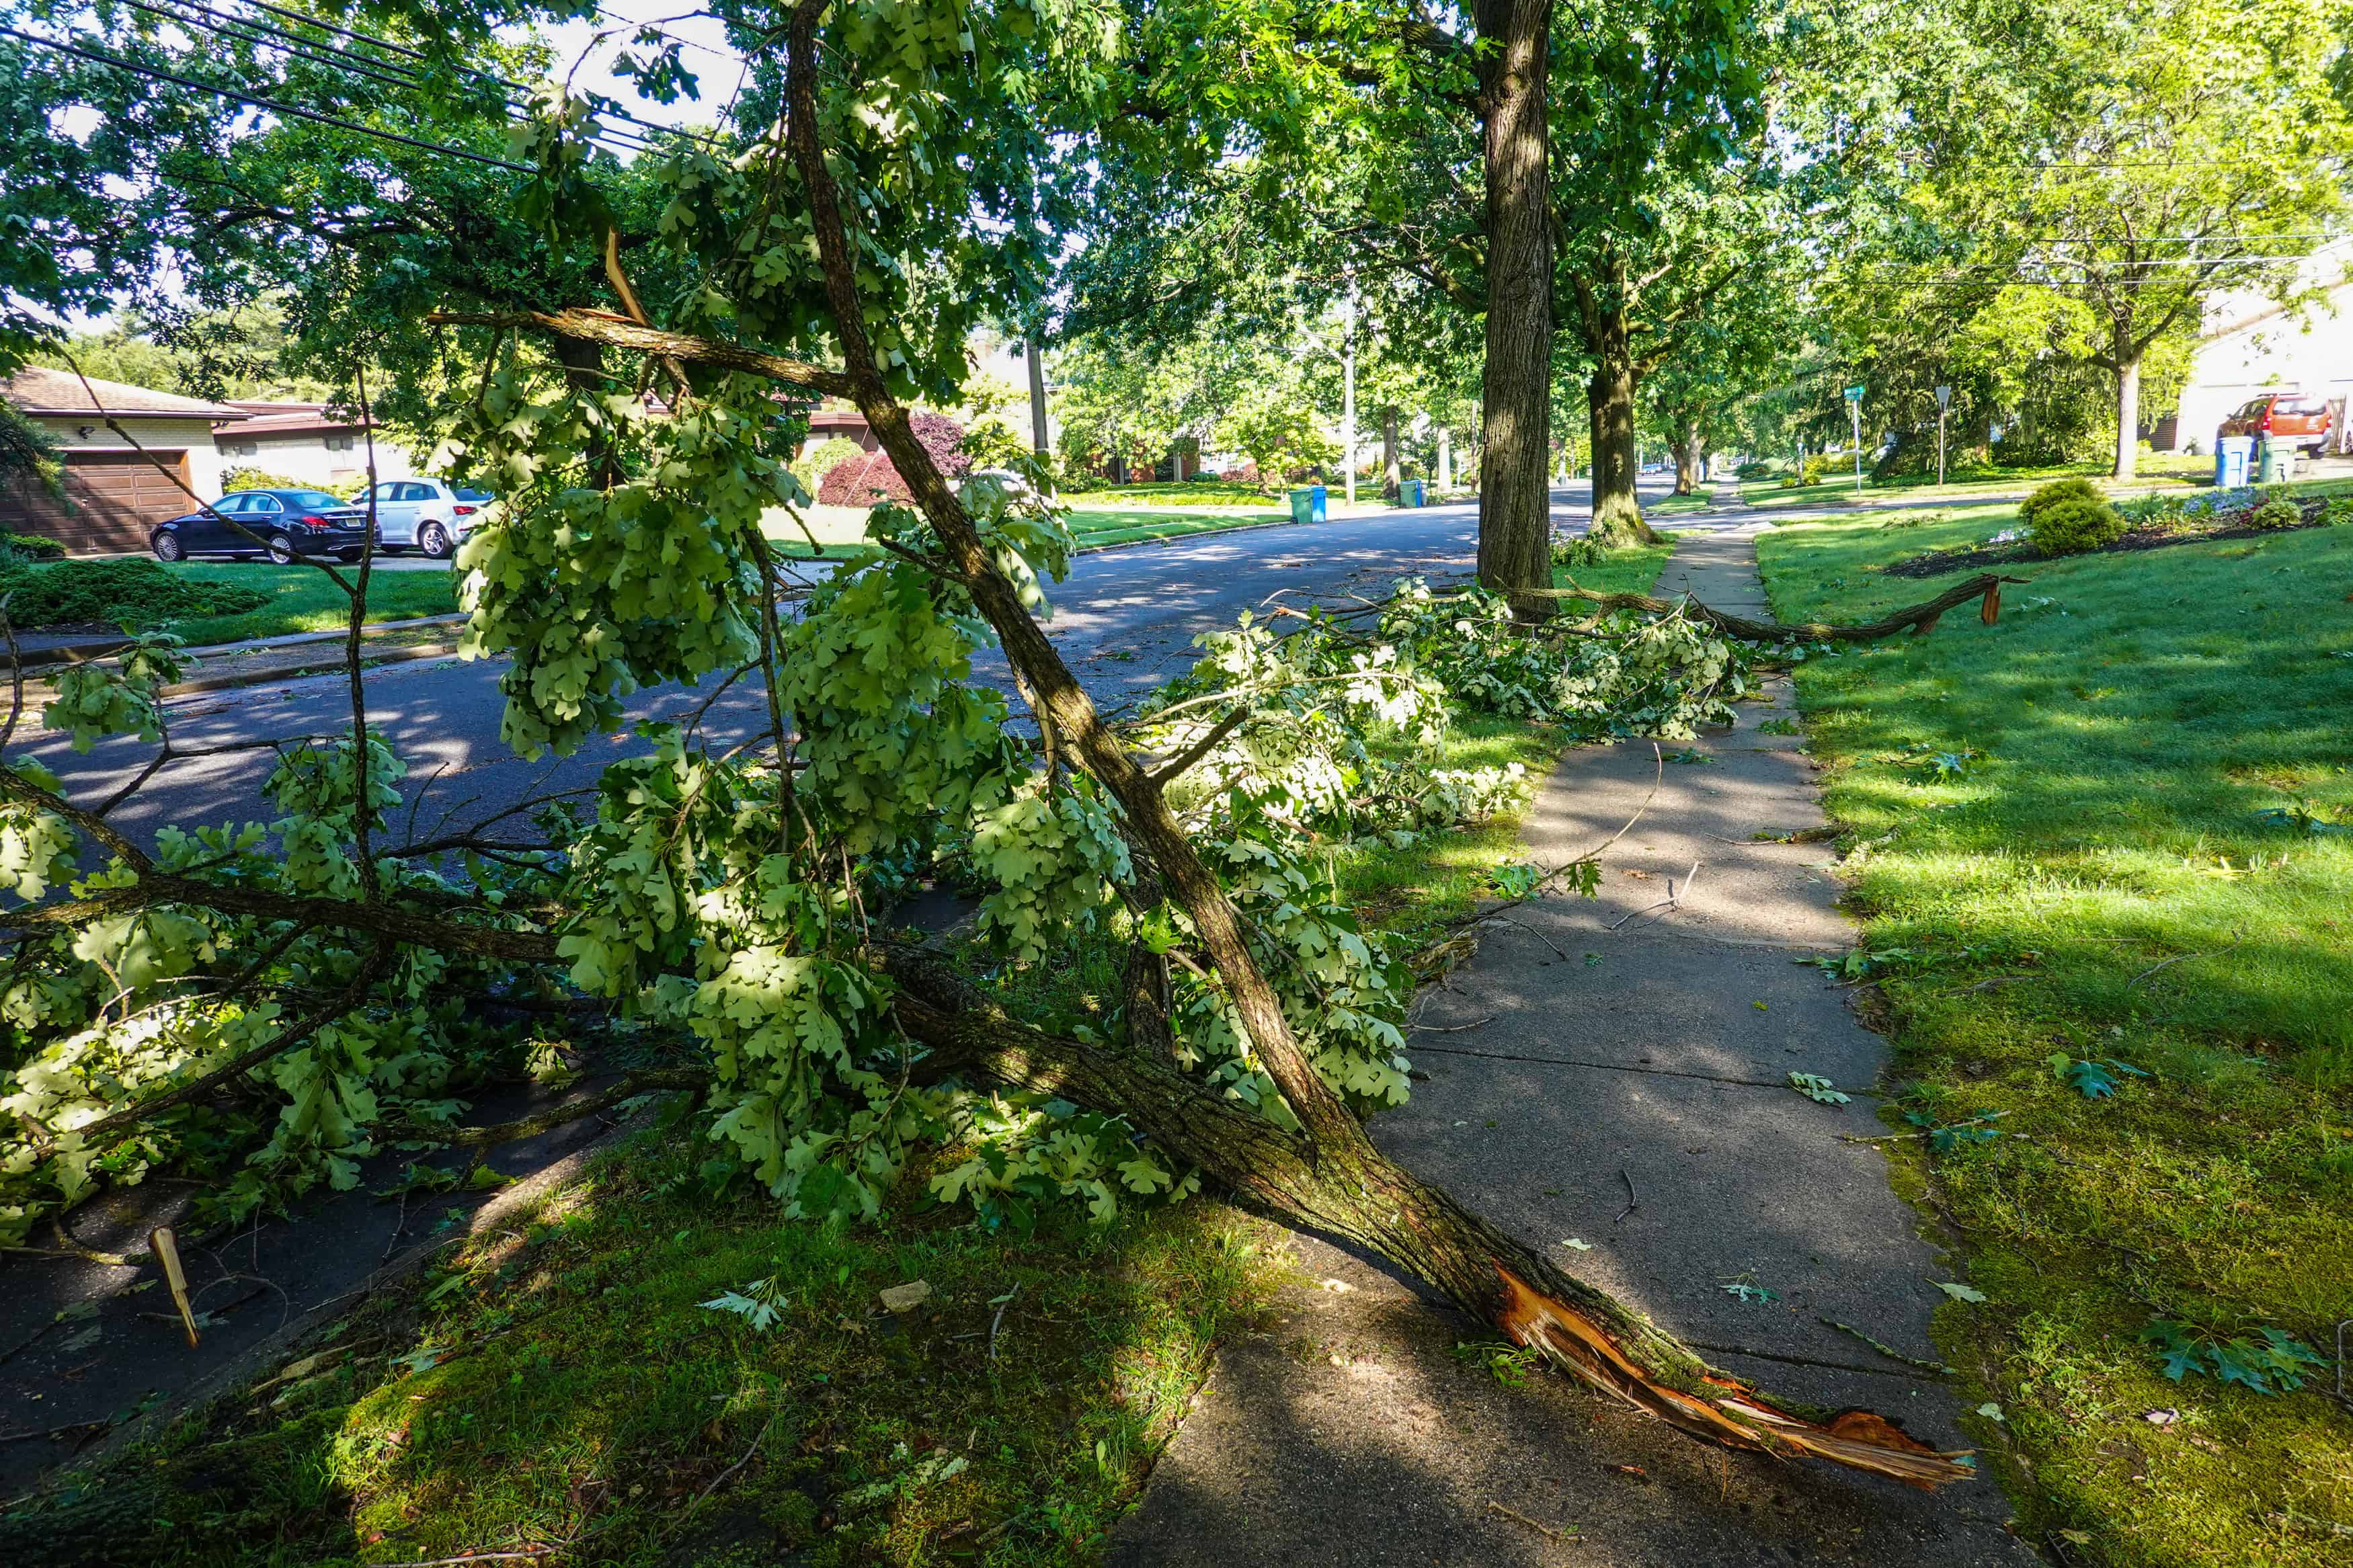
[1943, 397]
[1855, 395]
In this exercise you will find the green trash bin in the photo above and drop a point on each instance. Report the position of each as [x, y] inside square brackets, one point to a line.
[2275, 458]
[1308, 504]
[1410, 492]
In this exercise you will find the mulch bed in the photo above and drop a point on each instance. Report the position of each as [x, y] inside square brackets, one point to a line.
[2148, 536]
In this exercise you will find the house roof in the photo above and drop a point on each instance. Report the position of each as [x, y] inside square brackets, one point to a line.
[268, 419]
[39, 390]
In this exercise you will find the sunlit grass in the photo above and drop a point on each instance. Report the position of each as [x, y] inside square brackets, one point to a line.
[304, 600]
[2100, 883]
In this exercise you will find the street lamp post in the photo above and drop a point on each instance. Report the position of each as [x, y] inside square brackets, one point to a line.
[1854, 412]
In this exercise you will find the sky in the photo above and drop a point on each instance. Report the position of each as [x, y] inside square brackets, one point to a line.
[588, 47]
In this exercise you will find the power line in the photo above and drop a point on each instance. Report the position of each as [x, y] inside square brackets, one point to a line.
[260, 102]
[384, 71]
[510, 84]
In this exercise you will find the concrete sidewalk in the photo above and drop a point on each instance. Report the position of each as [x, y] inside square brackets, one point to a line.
[1613, 1072]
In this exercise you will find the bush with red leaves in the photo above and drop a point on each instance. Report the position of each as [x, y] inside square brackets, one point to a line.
[853, 481]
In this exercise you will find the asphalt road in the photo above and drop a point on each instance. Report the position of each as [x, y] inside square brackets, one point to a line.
[1126, 619]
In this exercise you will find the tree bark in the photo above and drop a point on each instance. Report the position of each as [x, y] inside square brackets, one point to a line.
[2128, 369]
[1514, 497]
[1690, 452]
[1609, 396]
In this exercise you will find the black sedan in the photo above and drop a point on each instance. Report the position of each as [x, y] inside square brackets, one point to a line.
[281, 525]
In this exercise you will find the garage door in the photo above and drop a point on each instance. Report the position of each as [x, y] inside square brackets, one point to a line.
[111, 500]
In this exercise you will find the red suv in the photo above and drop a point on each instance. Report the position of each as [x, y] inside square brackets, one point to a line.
[2283, 416]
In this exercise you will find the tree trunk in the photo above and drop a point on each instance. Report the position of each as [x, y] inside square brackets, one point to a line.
[1690, 452]
[1392, 475]
[1609, 396]
[1037, 395]
[2127, 412]
[1360, 1195]
[1515, 501]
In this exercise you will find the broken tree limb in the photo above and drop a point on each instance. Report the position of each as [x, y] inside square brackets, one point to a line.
[1920, 619]
[1371, 1201]
[621, 333]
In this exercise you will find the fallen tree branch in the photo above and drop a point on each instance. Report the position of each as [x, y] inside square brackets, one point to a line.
[621, 333]
[1382, 1207]
[1920, 618]
[629, 1088]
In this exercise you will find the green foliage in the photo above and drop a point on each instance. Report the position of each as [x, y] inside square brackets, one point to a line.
[234, 479]
[2278, 511]
[812, 466]
[127, 590]
[1818, 1089]
[2069, 517]
[2271, 1363]
[95, 700]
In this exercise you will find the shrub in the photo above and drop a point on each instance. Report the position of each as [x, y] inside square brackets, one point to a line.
[30, 547]
[1810, 472]
[133, 590]
[812, 466]
[1756, 470]
[2277, 511]
[2068, 517]
[263, 480]
[854, 482]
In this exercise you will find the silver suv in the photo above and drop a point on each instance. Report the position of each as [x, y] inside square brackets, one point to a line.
[430, 515]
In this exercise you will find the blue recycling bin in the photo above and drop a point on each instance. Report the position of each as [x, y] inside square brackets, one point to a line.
[1310, 503]
[2231, 457]
[1410, 493]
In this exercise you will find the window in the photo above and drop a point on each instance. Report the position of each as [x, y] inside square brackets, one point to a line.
[262, 503]
[387, 492]
[241, 448]
[476, 497]
[231, 505]
[313, 500]
[416, 492]
[2254, 410]
[339, 443]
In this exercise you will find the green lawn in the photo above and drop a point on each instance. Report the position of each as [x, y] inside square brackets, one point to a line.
[1094, 528]
[1189, 492]
[2088, 875]
[305, 600]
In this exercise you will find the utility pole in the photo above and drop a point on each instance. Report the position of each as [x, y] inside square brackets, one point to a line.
[1854, 412]
[1348, 390]
[1944, 404]
[1036, 359]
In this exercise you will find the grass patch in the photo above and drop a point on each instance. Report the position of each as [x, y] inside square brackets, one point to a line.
[1093, 528]
[2098, 883]
[1676, 506]
[302, 599]
[1187, 492]
[560, 1378]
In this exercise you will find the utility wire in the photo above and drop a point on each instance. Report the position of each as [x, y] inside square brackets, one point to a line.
[384, 71]
[510, 84]
[260, 102]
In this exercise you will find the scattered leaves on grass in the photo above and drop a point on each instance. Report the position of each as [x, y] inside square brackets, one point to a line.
[760, 1304]
[1778, 727]
[2094, 1079]
[2271, 1362]
[1514, 880]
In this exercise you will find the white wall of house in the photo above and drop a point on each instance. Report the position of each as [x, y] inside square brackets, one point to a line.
[309, 459]
[2250, 344]
[157, 435]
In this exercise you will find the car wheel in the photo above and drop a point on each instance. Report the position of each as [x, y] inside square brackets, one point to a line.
[434, 539]
[281, 550]
[168, 546]
[348, 556]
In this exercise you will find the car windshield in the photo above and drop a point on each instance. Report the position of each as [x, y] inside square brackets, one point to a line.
[314, 499]
[475, 495]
